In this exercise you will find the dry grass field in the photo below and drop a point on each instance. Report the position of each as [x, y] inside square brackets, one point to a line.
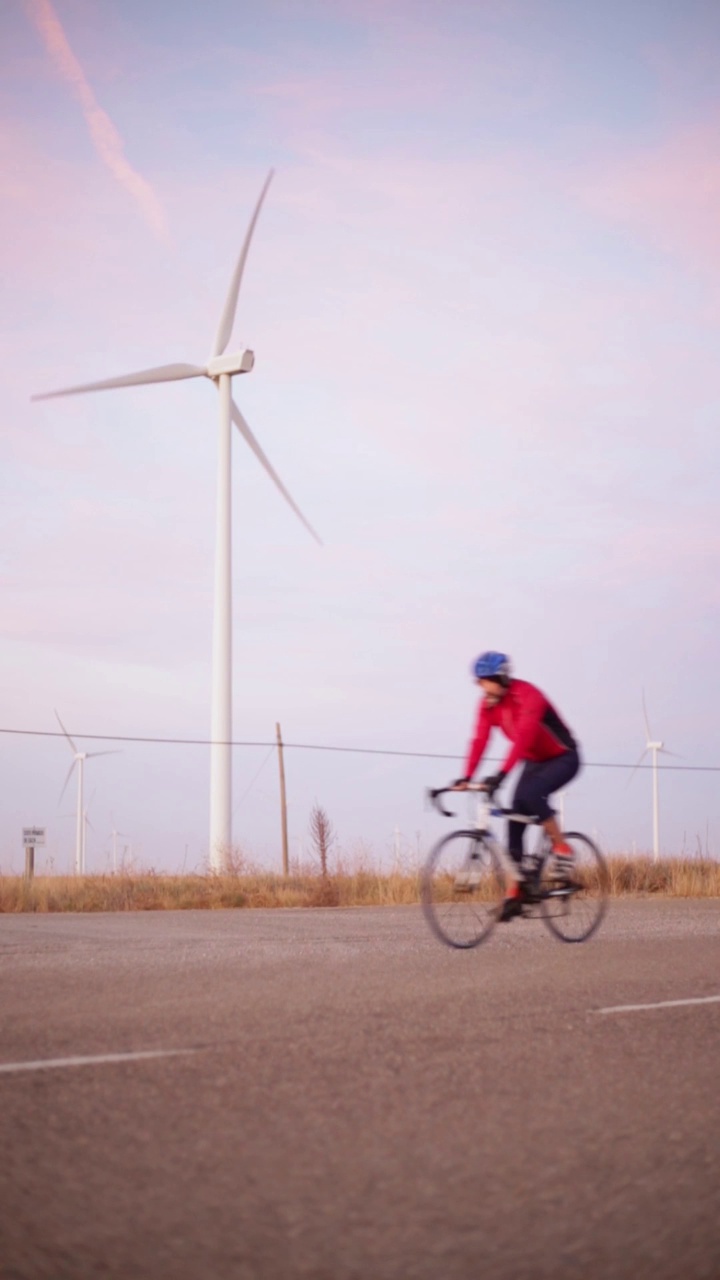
[247, 887]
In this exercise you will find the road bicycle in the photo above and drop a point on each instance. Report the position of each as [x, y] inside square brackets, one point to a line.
[464, 880]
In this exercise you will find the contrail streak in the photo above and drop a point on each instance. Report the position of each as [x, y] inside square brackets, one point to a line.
[104, 135]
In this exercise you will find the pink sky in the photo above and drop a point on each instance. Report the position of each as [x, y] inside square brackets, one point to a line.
[483, 299]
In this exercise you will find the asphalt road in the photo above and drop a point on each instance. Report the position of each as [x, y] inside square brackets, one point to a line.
[358, 1101]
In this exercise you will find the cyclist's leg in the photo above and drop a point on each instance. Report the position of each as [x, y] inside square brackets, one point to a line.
[543, 778]
[555, 774]
[522, 802]
[516, 893]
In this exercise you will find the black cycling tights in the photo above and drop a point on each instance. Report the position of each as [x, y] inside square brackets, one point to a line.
[537, 781]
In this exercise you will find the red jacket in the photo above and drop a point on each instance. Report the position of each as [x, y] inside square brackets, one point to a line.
[530, 722]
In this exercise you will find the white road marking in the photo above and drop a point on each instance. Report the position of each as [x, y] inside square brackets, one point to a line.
[51, 1064]
[660, 1004]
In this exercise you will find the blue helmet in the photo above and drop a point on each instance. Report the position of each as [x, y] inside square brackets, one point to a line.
[492, 666]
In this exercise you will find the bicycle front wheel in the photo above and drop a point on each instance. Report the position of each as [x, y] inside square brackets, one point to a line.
[462, 887]
[573, 899]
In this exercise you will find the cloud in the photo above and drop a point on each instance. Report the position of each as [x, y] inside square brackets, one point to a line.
[105, 137]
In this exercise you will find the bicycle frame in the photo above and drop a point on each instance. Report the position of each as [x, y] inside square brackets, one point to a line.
[485, 811]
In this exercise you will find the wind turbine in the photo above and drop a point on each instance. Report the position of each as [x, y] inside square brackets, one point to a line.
[220, 369]
[114, 835]
[655, 748]
[81, 817]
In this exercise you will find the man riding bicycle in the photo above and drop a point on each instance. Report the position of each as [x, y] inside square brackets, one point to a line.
[540, 739]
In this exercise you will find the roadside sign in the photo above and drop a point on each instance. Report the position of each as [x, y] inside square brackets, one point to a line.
[33, 836]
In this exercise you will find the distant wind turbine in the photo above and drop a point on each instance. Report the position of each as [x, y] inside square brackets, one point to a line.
[220, 369]
[86, 824]
[81, 817]
[114, 835]
[655, 748]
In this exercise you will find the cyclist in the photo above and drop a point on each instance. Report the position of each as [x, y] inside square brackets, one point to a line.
[540, 740]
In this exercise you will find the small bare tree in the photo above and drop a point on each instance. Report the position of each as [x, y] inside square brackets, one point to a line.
[322, 835]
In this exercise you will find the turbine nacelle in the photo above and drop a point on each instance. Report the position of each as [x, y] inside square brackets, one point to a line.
[239, 362]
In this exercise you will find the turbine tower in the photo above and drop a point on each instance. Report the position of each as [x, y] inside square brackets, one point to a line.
[79, 758]
[114, 835]
[220, 369]
[654, 747]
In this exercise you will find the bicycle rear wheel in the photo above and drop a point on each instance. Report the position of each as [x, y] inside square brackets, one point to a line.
[462, 887]
[573, 900]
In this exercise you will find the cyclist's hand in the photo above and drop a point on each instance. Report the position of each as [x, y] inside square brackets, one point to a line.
[460, 784]
[492, 782]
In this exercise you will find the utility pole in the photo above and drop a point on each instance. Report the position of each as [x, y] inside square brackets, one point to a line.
[283, 803]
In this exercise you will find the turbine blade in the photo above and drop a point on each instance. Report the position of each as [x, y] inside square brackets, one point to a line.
[69, 776]
[67, 735]
[227, 318]
[637, 766]
[163, 373]
[248, 436]
[663, 751]
[645, 715]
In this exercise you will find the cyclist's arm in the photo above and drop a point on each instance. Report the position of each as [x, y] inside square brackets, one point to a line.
[479, 742]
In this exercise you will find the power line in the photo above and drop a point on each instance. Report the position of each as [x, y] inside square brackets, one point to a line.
[254, 779]
[318, 746]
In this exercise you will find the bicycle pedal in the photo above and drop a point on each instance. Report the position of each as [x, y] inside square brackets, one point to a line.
[562, 890]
